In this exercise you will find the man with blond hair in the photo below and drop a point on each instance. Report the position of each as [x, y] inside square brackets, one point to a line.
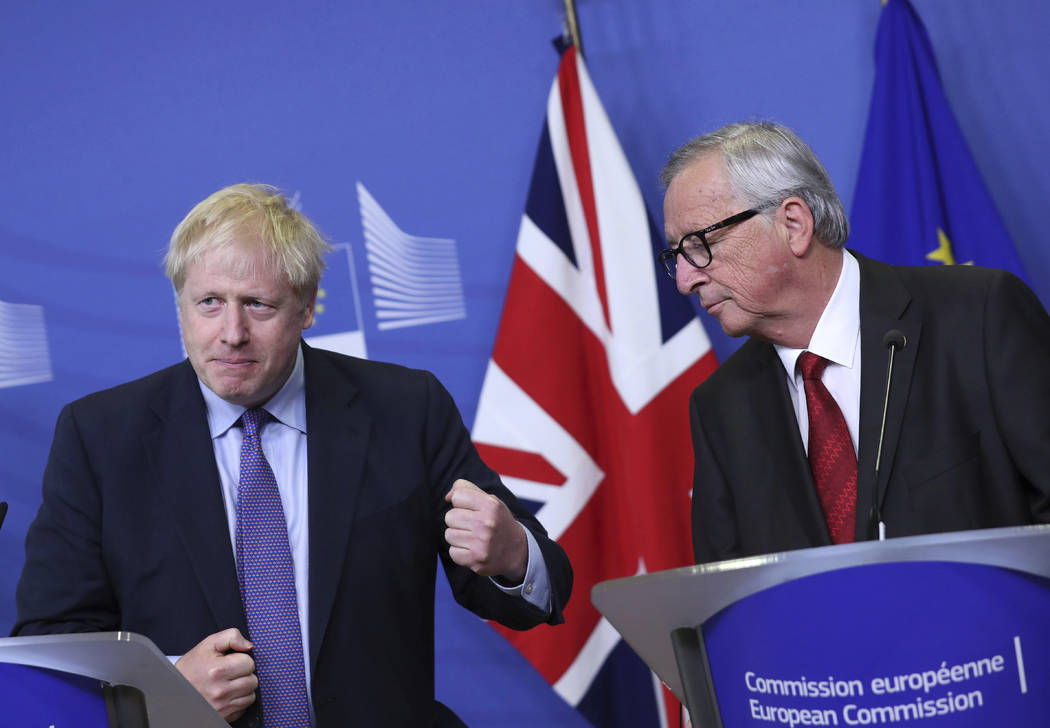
[270, 514]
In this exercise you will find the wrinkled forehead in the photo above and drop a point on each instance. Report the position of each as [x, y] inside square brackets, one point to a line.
[698, 196]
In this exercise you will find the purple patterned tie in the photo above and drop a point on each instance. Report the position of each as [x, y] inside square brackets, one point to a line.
[831, 456]
[267, 580]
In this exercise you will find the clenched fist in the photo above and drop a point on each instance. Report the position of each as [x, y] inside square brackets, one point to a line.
[223, 672]
[483, 535]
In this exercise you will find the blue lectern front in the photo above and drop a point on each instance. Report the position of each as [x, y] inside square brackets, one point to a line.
[947, 628]
[100, 680]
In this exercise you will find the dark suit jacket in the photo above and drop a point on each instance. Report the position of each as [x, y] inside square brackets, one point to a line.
[967, 441]
[132, 533]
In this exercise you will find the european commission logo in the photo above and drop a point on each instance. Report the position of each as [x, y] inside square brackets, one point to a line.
[24, 354]
[415, 280]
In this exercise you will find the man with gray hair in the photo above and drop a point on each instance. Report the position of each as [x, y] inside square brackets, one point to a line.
[792, 446]
[270, 514]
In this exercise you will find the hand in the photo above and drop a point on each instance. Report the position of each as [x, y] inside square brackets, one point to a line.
[222, 671]
[483, 535]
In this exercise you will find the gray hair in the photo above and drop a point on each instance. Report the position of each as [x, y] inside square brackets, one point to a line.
[765, 164]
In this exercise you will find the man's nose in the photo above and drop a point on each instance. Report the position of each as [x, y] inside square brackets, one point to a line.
[234, 326]
[687, 275]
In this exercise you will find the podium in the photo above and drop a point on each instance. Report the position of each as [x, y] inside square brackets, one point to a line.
[148, 685]
[952, 627]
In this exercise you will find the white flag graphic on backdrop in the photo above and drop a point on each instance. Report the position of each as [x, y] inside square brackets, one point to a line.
[24, 354]
[415, 280]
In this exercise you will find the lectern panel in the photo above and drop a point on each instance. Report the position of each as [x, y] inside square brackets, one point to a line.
[34, 696]
[898, 643]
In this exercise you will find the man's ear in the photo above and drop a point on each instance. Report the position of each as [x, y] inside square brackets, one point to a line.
[796, 221]
[308, 309]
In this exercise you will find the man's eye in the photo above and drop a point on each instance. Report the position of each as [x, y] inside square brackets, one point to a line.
[692, 245]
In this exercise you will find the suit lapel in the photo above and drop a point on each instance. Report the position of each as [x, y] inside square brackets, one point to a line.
[884, 305]
[780, 448]
[180, 452]
[338, 432]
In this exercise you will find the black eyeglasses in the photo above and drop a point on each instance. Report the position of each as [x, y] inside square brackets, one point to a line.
[694, 246]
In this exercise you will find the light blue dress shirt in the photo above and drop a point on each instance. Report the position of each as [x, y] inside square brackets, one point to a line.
[283, 440]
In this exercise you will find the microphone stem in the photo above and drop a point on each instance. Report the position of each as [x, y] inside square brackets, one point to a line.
[878, 453]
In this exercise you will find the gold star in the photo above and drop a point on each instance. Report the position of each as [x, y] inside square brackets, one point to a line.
[943, 253]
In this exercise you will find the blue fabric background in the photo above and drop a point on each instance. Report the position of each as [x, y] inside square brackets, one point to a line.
[118, 116]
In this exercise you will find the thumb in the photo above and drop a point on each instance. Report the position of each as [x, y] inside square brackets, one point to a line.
[232, 640]
[461, 484]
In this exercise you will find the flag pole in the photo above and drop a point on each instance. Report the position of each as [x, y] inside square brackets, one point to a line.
[574, 25]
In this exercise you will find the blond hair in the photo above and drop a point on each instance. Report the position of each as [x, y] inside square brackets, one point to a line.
[292, 245]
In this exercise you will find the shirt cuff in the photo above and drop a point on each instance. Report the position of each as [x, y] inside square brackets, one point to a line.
[536, 587]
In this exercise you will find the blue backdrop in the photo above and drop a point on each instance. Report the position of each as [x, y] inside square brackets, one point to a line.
[409, 120]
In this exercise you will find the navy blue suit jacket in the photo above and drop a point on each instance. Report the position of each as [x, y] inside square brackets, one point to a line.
[967, 441]
[132, 533]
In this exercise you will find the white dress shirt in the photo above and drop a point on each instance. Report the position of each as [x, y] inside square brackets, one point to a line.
[837, 339]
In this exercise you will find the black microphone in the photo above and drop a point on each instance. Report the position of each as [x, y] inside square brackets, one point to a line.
[3, 511]
[893, 340]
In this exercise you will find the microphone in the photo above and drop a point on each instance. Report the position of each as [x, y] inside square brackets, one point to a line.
[894, 341]
[3, 511]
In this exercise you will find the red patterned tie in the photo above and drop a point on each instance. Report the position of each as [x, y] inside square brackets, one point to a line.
[267, 580]
[831, 456]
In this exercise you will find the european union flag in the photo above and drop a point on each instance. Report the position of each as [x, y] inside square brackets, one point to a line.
[919, 197]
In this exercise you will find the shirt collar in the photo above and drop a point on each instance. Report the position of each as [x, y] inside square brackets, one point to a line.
[838, 331]
[288, 406]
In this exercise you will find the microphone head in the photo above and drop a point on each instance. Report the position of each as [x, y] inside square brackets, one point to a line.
[895, 338]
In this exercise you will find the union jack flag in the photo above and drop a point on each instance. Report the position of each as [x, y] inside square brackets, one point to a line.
[583, 410]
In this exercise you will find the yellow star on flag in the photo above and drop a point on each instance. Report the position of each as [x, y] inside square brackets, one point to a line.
[943, 253]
